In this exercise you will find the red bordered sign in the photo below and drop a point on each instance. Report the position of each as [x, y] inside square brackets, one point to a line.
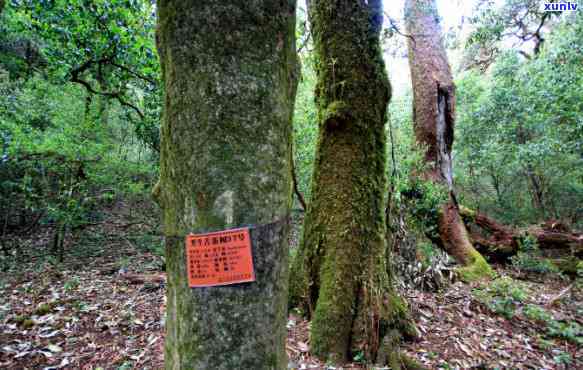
[219, 258]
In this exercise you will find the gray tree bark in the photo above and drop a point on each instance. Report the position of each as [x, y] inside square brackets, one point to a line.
[229, 71]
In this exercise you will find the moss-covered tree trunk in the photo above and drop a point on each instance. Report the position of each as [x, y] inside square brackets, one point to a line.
[229, 76]
[340, 270]
[434, 119]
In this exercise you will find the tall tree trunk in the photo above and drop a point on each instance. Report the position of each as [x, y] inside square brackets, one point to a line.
[433, 115]
[340, 270]
[229, 70]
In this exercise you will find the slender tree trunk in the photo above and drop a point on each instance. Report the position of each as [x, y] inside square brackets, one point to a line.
[340, 271]
[434, 114]
[536, 190]
[229, 69]
[103, 101]
[87, 111]
[534, 181]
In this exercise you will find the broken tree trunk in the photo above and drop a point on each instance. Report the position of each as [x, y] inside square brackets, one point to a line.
[434, 119]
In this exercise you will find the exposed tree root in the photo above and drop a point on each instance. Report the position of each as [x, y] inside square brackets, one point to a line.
[389, 354]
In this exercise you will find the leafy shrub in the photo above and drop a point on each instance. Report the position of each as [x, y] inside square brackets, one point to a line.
[529, 259]
[60, 164]
[536, 313]
[502, 296]
[563, 358]
[569, 330]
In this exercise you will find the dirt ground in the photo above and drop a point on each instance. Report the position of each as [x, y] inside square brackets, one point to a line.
[102, 308]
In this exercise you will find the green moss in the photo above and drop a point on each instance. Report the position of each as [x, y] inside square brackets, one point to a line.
[43, 309]
[298, 284]
[28, 324]
[336, 113]
[345, 225]
[467, 214]
[24, 321]
[478, 269]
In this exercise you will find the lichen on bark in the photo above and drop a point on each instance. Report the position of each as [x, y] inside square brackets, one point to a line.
[340, 273]
[229, 71]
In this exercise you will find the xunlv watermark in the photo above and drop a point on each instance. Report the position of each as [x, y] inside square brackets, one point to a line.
[560, 7]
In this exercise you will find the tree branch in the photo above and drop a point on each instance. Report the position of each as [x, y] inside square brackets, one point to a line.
[75, 77]
[395, 28]
[295, 183]
[134, 73]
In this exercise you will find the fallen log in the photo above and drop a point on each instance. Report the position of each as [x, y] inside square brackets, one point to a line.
[500, 242]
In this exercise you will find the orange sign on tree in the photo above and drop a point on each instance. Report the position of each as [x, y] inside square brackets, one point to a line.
[219, 258]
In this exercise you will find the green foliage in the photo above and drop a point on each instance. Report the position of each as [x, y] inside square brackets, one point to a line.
[66, 149]
[305, 128]
[570, 331]
[148, 243]
[516, 21]
[520, 133]
[501, 296]
[567, 330]
[65, 157]
[72, 284]
[106, 47]
[424, 200]
[427, 252]
[505, 297]
[536, 313]
[563, 358]
[529, 259]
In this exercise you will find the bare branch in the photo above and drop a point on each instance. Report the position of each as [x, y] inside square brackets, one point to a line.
[395, 28]
[134, 73]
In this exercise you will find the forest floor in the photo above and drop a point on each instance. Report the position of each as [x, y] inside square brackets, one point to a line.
[102, 308]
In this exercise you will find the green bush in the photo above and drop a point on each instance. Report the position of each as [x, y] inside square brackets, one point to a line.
[502, 296]
[569, 330]
[536, 313]
[529, 259]
[60, 165]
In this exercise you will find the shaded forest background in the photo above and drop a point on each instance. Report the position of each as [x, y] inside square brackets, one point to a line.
[80, 107]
